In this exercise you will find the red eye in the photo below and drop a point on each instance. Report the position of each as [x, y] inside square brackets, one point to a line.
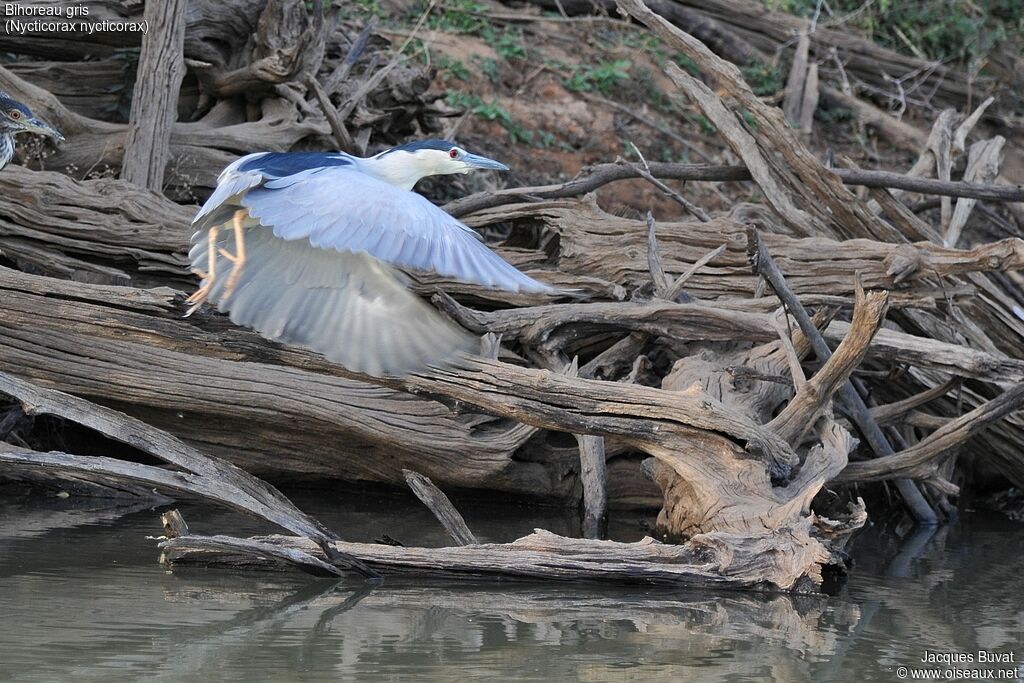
[454, 154]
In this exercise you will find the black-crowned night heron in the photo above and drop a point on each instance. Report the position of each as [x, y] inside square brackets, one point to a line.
[16, 118]
[300, 246]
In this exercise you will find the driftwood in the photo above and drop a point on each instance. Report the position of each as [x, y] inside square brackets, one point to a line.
[722, 559]
[791, 421]
[438, 503]
[203, 475]
[155, 101]
[673, 376]
[712, 560]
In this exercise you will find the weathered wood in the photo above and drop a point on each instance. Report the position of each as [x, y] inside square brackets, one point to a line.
[594, 479]
[815, 395]
[236, 487]
[113, 471]
[155, 100]
[809, 104]
[174, 524]
[762, 261]
[441, 507]
[313, 423]
[594, 243]
[983, 162]
[795, 83]
[247, 546]
[711, 560]
[922, 459]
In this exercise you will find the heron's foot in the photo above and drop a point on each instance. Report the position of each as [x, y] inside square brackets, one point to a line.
[200, 295]
[238, 258]
[208, 278]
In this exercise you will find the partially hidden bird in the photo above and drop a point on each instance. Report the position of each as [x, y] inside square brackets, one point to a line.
[306, 247]
[16, 118]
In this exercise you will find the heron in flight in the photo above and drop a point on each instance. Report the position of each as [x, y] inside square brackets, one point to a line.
[304, 248]
[16, 118]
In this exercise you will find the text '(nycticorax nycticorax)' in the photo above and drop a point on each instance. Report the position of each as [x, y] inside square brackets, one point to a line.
[302, 247]
[16, 118]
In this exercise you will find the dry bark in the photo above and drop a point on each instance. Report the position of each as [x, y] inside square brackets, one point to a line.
[443, 510]
[774, 561]
[155, 101]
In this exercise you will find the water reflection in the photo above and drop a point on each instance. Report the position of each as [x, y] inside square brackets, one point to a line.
[90, 602]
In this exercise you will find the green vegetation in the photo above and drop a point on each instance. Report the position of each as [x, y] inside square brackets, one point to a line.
[489, 111]
[449, 68]
[600, 77]
[508, 44]
[705, 124]
[492, 111]
[359, 7]
[456, 16]
[686, 64]
[964, 30]
[489, 68]
[764, 79]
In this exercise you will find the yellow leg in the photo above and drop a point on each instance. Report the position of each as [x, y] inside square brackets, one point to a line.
[238, 258]
[209, 277]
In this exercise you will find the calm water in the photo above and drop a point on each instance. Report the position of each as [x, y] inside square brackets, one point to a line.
[82, 596]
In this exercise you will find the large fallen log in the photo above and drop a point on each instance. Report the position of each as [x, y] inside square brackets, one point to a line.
[777, 561]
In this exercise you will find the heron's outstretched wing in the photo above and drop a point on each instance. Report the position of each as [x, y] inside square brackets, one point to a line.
[343, 209]
[348, 306]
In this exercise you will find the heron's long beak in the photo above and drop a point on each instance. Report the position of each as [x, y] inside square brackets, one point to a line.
[477, 161]
[43, 128]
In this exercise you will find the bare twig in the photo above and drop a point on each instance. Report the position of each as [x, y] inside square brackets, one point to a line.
[677, 287]
[341, 134]
[689, 206]
[890, 412]
[658, 276]
[341, 72]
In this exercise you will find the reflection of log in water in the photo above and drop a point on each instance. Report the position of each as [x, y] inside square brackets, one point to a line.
[622, 626]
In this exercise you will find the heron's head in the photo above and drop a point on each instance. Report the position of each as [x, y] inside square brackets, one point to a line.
[406, 164]
[15, 117]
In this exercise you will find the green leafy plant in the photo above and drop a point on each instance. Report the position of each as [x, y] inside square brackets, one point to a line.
[509, 44]
[601, 77]
[457, 16]
[489, 68]
[963, 30]
[492, 111]
[450, 68]
[763, 79]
